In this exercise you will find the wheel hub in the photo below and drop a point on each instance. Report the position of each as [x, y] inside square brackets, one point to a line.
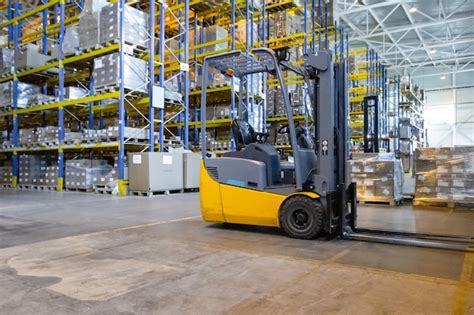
[301, 218]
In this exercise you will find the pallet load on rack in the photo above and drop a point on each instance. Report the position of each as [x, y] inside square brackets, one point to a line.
[70, 43]
[6, 60]
[6, 174]
[218, 139]
[107, 183]
[28, 57]
[27, 94]
[37, 171]
[80, 173]
[89, 24]
[284, 24]
[107, 74]
[135, 26]
[444, 177]
[379, 177]
[212, 34]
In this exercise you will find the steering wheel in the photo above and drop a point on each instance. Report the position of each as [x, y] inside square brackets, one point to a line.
[284, 128]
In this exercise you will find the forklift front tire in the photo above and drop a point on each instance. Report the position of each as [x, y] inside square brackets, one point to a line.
[301, 217]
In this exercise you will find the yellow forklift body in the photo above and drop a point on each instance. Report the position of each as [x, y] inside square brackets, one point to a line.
[233, 204]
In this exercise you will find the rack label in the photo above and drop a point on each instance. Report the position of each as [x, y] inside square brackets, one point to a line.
[137, 159]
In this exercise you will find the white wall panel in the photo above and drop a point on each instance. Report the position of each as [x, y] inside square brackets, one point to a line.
[440, 135]
[465, 95]
[450, 111]
[465, 134]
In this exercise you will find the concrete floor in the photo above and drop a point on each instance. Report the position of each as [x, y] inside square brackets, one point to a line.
[76, 253]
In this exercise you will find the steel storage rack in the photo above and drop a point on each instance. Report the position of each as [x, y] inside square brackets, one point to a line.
[368, 90]
[244, 25]
[408, 126]
[118, 105]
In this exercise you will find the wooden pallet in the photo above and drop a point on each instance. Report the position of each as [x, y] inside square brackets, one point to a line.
[191, 190]
[103, 190]
[114, 88]
[43, 187]
[443, 204]
[79, 189]
[387, 202]
[154, 193]
[128, 141]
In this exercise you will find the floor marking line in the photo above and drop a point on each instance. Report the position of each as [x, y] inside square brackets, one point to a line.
[151, 224]
[460, 301]
[341, 254]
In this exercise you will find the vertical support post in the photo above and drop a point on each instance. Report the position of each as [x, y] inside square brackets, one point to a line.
[62, 16]
[264, 76]
[326, 30]
[44, 51]
[247, 51]
[151, 77]
[161, 112]
[305, 26]
[319, 24]
[195, 111]
[186, 74]
[91, 93]
[398, 114]
[313, 22]
[335, 42]
[15, 158]
[341, 45]
[121, 103]
[232, 90]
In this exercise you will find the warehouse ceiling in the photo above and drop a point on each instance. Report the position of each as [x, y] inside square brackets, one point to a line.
[411, 36]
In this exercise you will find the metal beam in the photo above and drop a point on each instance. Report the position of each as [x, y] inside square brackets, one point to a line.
[413, 27]
[363, 8]
[425, 63]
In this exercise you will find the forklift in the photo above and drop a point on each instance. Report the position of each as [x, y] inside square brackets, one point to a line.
[307, 197]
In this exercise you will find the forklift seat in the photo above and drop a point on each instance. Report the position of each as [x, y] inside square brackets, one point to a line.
[251, 145]
[244, 134]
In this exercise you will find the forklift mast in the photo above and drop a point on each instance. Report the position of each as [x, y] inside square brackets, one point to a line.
[321, 72]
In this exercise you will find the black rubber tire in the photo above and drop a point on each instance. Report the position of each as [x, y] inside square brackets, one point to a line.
[297, 208]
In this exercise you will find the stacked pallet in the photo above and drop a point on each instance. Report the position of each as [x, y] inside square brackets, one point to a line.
[81, 173]
[379, 178]
[444, 177]
[37, 171]
[6, 175]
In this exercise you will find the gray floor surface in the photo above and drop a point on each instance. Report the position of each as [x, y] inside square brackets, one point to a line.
[78, 253]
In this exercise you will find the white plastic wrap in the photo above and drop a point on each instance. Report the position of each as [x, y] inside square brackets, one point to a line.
[379, 177]
[80, 173]
[445, 175]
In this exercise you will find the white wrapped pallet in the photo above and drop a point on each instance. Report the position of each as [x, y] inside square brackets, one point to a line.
[445, 176]
[379, 177]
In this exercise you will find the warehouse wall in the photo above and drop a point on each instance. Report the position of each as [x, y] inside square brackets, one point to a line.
[449, 108]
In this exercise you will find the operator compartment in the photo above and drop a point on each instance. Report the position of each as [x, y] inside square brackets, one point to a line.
[257, 164]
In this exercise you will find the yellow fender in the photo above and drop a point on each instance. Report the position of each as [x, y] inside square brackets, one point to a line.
[233, 204]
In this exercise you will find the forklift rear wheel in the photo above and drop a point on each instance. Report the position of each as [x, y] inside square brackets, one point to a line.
[301, 217]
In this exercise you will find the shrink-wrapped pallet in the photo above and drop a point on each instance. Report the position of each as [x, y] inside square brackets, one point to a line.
[445, 175]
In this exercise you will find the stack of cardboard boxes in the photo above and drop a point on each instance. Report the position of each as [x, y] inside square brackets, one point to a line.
[37, 170]
[444, 175]
[80, 173]
[6, 174]
[379, 177]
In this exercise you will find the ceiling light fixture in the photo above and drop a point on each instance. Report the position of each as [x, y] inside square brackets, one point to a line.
[443, 77]
[412, 9]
